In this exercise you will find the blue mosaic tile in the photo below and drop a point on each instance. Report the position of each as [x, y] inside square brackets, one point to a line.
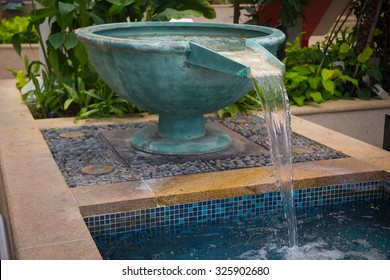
[386, 192]
[236, 207]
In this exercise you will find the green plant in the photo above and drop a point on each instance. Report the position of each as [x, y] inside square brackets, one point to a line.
[79, 96]
[21, 76]
[371, 30]
[17, 25]
[312, 75]
[248, 102]
[106, 103]
[47, 93]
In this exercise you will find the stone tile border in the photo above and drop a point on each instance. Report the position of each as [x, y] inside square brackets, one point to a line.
[198, 212]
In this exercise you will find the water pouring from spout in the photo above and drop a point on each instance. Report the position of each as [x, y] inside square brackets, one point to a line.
[267, 77]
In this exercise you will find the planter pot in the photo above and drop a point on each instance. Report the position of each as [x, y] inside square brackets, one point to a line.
[10, 59]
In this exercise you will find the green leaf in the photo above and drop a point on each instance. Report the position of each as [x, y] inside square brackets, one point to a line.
[69, 89]
[344, 48]
[202, 6]
[252, 99]
[314, 82]
[118, 6]
[316, 96]
[70, 40]
[299, 100]
[65, 8]
[81, 53]
[16, 43]
[329, 86]
[302, 70]
[167, 9]
[115, 9]
[67, 103]
[338, 93]
[365, 55]
[234, 109]
[92, 93]
[313, 69]
[290, 75]
[326, 95]
[364, 94]
[377, 32]
[54, 61]
[39, 15]
[20, 79]
[337, 73]
[326, 74]
[64, 15]
[350, 79]
[57, 39]
[115, 2]
[96, 19]
[299, 81]
[374, 72]
[172, 13]
[27, 94]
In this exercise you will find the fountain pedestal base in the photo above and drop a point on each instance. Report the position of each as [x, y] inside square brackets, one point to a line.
[119, 142]
[148, 140]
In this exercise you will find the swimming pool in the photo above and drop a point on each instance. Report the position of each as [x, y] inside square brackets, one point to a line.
[345, 221]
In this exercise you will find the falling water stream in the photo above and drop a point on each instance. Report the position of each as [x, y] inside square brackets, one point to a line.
[268, 82]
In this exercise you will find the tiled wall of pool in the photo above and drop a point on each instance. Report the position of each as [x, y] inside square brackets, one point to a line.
[386, 192]
[219, 209]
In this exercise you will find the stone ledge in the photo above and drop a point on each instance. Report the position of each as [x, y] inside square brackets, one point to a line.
[123, 197]
[10, 59]
[333, 106]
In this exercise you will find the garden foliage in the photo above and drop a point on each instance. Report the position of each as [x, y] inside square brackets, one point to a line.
[70, 83]
[16, 25]
[314, 75]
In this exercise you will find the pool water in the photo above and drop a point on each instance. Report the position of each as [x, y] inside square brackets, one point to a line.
[359, 231]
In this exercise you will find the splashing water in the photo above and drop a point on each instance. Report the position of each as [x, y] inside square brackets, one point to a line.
[268, 82]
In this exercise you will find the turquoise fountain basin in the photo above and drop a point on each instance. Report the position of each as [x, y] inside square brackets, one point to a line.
[177, 71]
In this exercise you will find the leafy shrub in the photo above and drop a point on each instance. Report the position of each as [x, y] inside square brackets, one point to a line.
[249, 102]
[16, 25]
[313, 75]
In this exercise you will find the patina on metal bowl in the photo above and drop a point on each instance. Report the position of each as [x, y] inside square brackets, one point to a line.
[175, 70]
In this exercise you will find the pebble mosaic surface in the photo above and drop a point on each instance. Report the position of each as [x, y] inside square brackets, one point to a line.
[77, 149]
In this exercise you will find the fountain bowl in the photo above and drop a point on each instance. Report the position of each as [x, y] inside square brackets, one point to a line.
[174, 69]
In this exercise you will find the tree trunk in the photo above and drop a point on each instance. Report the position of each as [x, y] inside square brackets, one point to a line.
[366, 24]
[236, 15]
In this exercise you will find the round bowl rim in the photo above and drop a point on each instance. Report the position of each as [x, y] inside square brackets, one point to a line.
[88, 34]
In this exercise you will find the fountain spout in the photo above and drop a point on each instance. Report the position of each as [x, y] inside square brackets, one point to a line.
[207, 58]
